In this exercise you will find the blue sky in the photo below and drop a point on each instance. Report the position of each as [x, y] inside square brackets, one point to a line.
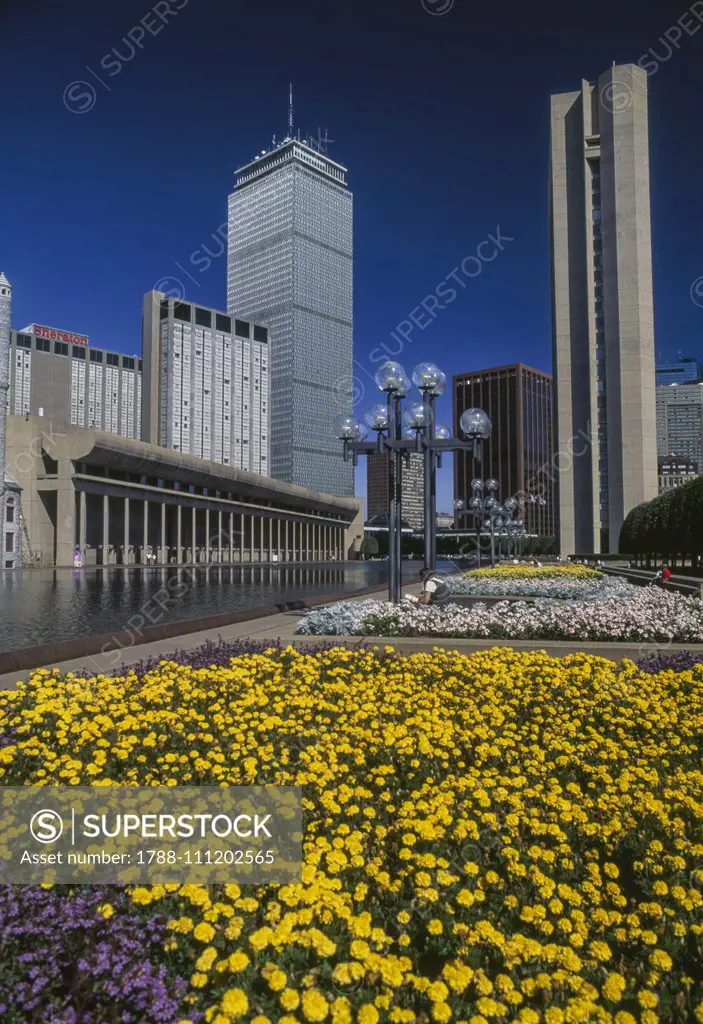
[442, 120]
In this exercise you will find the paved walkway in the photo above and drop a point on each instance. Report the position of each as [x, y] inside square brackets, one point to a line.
[282, 627]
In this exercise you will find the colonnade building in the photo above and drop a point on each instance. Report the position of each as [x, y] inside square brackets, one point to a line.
[123, 501]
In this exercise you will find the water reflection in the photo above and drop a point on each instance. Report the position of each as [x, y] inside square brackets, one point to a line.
[45, 605]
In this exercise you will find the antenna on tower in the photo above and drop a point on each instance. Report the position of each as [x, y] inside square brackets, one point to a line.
[290, 110]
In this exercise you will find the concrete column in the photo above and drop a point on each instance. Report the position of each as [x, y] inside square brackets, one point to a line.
[145, 532]
[106, 526]
[231, 537]
[126, 531]
[82, 526]
[164, 553]
[295, 540]
[241, 538]
[179, 535]
[207, 535]
[251, 538]
[193, 532]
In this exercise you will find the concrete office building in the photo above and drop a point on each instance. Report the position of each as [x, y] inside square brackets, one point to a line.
[603, 316]
[675, 470]
[74, 383]
[519, 452]
[680, 421]
[123, 501]
[10, 493]
[412, 489]
[677, 371]
[206, 383]
[290, 266]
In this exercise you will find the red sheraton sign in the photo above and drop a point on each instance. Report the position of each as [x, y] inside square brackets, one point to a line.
[50, 332]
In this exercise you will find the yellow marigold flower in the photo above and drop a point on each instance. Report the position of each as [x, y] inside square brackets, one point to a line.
[368, 1014]
[106, 910]
[238, 961]
[613, 987]
[660, 960]
[600, 950]
[341, 1011]
[277, 981]
[206, 959]
[234, 1003]
[198, 980]
[315, 1006]
[647, 1000]
[141, 896]
[435, 927]
[203, 932]
[441, 1012]
[289, 999]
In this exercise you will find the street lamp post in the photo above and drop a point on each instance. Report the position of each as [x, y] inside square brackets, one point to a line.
[422, 436]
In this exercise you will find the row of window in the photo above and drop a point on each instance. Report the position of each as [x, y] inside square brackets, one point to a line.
[60, 348]
[203, 318]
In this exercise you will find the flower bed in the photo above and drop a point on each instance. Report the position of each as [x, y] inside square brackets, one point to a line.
[505, 837]
[577, 588]
[649, 615]
[536, 572]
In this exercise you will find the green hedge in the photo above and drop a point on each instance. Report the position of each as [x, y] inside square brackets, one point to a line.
[670, 525]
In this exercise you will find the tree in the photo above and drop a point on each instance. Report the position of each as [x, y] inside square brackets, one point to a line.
[369, 547]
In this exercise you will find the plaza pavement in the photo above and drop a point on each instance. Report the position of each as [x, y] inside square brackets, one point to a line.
[281, 627]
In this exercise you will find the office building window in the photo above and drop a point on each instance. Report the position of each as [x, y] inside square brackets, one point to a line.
[60, 348]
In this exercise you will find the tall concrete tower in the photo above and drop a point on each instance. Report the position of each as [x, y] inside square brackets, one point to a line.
[603, 308]
[5, 326]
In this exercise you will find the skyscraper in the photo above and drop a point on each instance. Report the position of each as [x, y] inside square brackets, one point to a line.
[5, 328]
[412, 485]
[519, 452]
[680, 421]
[206, 383]
[290, 266]
[677, 371]
[10, 493]
[602, 307]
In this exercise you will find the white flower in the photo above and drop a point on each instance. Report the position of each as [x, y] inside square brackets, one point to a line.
[645, 615]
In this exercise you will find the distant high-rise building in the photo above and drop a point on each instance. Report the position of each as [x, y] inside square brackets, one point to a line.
[680, 421]
[674, 471]
[59, 375]
[677, 371]
[603, 316]
[290, 266]
[519, 452]
[5, 328]
[206, 383]
[412, 488]
[10, 493]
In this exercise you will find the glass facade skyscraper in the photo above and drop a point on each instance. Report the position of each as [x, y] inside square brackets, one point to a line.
[290, 266]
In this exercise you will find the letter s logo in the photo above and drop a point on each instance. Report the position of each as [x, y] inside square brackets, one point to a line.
[46, 826]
